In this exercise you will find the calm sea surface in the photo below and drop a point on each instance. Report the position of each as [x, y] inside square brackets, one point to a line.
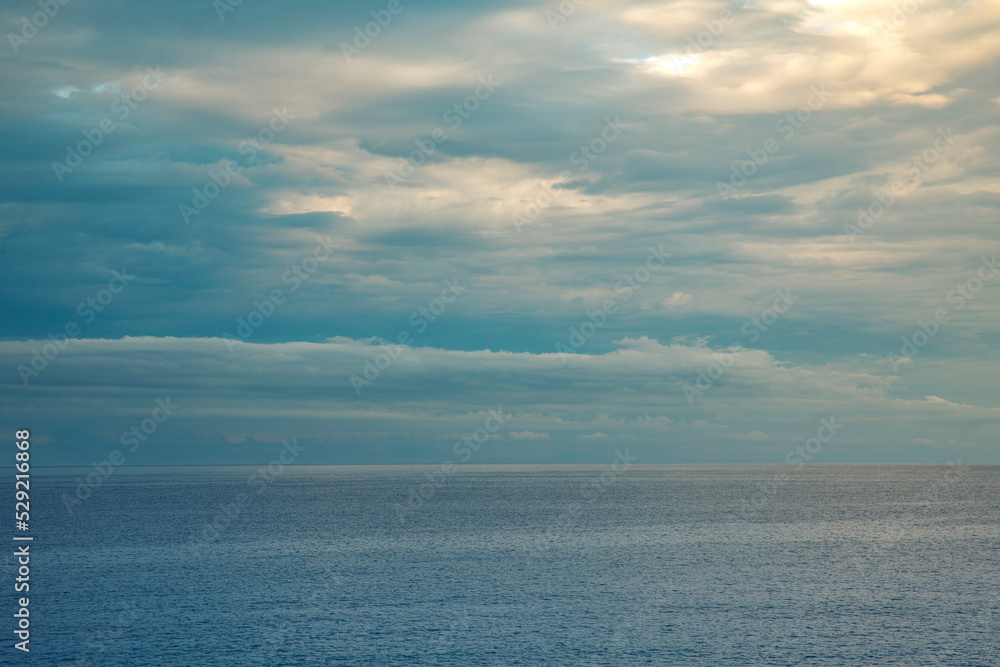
[516, 565]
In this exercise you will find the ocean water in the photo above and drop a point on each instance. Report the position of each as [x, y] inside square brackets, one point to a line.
[517, 565]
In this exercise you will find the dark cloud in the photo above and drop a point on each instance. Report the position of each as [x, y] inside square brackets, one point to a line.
[349, 169]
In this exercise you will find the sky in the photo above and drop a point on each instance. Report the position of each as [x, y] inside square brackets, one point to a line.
[689, 230]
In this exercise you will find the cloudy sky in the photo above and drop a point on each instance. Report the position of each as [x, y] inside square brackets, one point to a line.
[690, 229]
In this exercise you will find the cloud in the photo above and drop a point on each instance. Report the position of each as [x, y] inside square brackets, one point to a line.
[729, 112]
[96, 388]
[528, 435]
[678, 299]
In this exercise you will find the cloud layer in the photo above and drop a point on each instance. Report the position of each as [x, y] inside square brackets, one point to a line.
[485, 187]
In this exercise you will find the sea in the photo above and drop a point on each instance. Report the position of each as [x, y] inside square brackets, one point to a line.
[615, 564]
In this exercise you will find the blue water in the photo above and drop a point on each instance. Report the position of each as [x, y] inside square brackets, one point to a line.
[518, 565]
